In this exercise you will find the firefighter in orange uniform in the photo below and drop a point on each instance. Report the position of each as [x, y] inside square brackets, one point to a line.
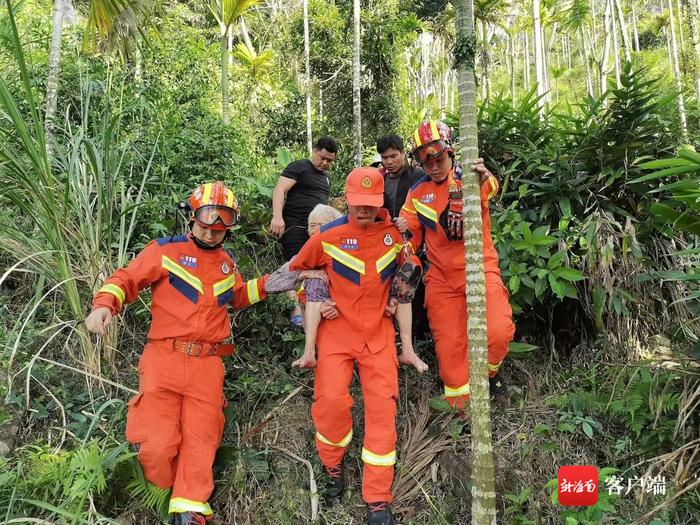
[360, 254]
[433, 209]
[176, 419]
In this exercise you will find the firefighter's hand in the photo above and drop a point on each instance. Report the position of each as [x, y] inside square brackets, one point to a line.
[390, 308]
[401, 223]
[277, 226]
[482, 170]
[314, 274]
[328, 309]
[98, 320]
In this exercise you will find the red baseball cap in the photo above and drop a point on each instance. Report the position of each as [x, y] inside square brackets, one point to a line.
[365, 187]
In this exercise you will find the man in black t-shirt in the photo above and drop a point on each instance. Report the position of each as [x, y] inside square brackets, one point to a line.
[398, 173]
[302, 185]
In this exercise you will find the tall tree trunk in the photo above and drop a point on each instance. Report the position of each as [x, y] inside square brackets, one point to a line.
[224, 75]
[623, 30]
[680, 24]
[677, 69]
[511, 43]
[605, 58]
[307, 79]
[585, 58]
[634, 29]
[485, 62]
[616, 51]
[356, 102]
[526, 67]
[483, 484]
[693, 14]
[539, 56]
[245, 35]
[59, 8]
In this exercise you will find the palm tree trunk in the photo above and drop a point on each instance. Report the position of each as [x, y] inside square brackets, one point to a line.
[693, 13]
[634, 29]
[539, 56]
[526, 69]
[680, 24]
[483, 484]
[224, 75]
[485, 60]
[59, 7]
[245, 35]
[307, 79]
[616, 51]
[585, 57]
[356, 102]
[605, 59]
[676, 69]
[623, 30]
[511, 43]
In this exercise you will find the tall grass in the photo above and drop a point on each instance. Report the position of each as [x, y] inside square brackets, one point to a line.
[70, 218]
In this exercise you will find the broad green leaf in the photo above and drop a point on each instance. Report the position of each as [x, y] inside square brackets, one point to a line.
[569, 274]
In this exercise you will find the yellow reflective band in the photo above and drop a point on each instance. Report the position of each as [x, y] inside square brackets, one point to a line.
[229, 198]
[494, 187]
[253, 294]
[224, 285]
[342, 443]
[434, 130]
[386, 460]
[386, 259]
[456, 392]
[183, 274]
[409, 210]
[115, 290]
[187, 505]
[494, 368]
[343, 257]
[425, 211]
[207, 194]
[416, 139]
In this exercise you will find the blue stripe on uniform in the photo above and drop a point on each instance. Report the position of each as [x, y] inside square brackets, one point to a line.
[388, 271]
[225, 297]
[183, 287]
[338, 222]
[426, 222]
[350, 274]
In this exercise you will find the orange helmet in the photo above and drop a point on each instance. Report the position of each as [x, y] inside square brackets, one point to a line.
[214, 206]
[431, 140]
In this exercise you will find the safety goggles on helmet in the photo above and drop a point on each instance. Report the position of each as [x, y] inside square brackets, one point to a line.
[433, 150]
[213, 215]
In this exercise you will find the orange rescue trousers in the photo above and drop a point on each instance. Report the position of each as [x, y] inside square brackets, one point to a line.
[447, 310]
[177, 421]
[333, 420]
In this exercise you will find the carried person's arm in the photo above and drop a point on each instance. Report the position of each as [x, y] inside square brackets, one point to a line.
[284, 184]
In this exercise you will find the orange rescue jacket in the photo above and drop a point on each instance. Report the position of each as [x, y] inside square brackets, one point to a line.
[191, 289]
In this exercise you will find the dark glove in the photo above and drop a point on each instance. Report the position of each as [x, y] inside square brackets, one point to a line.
[451, 218]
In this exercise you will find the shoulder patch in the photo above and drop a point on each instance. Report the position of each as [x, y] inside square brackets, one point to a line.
[338, 222]
[174, 238]
[420, 181]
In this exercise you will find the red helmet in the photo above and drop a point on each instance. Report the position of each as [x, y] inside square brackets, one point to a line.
[214, 206]
[431, 140]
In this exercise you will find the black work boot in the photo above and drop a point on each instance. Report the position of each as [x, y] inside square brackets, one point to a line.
[335, 485]
[497, 387]
[379, 513]
[187, 518]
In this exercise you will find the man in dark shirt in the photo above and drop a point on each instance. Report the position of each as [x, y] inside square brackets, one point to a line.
[399, 178]
[302, 185]
[399, 175]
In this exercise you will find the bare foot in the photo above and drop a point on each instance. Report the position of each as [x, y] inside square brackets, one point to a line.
[411, 358]
[307, 360]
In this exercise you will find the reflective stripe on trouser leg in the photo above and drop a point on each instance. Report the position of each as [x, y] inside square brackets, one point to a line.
[379, 381]
[499, 321]
[447, 311]
[332, 403]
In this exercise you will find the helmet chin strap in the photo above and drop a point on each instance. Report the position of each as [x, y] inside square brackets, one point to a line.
[205, 246]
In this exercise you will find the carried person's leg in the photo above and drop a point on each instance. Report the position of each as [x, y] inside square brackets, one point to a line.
[293, 239]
